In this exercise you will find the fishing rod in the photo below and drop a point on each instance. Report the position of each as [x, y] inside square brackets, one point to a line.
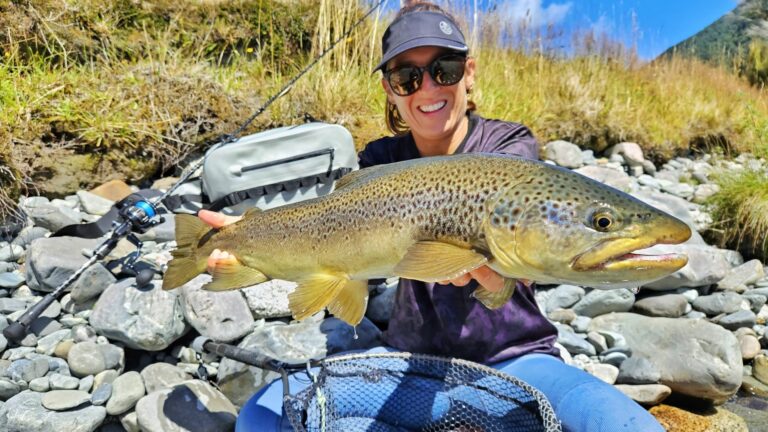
[138, 214]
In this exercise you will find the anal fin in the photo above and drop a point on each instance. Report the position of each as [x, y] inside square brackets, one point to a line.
[349, 305]
[231, 274]
[435, 261]
[314, 293]
[495, 300]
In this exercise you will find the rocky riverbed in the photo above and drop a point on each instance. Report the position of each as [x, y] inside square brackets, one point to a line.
[111, 355]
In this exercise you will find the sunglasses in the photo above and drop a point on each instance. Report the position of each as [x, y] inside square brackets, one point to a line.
[446, 71]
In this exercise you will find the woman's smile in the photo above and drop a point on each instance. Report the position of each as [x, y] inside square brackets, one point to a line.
[433, 108]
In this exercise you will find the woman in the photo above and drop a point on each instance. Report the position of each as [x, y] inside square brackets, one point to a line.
[427, 76]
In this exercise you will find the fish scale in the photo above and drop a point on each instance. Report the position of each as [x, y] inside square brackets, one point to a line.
[435, 219]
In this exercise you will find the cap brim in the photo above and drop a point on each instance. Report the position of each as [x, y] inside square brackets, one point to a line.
[420, 42]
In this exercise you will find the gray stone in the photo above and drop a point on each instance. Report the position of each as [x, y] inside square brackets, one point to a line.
[564, 316]
[42, 384]
[25, 412]
[598, 341]
[8, 389]
[11, 280]
[706, 266]
[27, 370]
[646, 394]
[760, 368]
[102, 394]
[11, 252]
[712, 368]
[86, 358]
[127, 389]
[94, 280]
[381, 302]
[738, 319]
[85, 383]
[756, 301]
[574, 343]
[638, 370]
[291, 343]
[605, 372]
[704, 191]
[147, 318]
[630, 152]
[94, 204]
[581, 324]
[599, 302]
[193, 405]
[669, 305]
[750, 346]
[614, 358]
[270, 299]
[564, 153]
[44, 326]
[738, 278]
[563, 297]
[28, 235]
[106, 377]
[50, 261]
[718, 303]
[10, 305]
[222, 316]
[159, 376]
[612, 177]
[63, 382]
[60, 400]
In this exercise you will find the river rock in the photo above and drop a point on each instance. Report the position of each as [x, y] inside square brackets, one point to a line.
[760, 368]
[270, 299]
[291, 343]
[159, 376]
[94, 280]
[50, 261]
[563, 297]
[718, 303]
[222, 316]
[599, 302]
[713, 365]
[738, 319]
[564, 153]
[25, 412]
[146, 318]
[61, 400]
[738, 278]
[638, 370]
[51, 217]
[190, 406]
[89, 358]
[669, 305]
[706, 266]
[612, 177]
[645, 394]
[127, 389]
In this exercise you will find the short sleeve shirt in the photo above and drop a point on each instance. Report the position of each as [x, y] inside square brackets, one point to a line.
[445, 319]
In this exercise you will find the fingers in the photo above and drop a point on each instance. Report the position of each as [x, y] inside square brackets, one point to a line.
[216, 219]
[215, 258]
[488, 278]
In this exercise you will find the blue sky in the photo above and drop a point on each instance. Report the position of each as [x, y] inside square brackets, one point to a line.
[654, 25]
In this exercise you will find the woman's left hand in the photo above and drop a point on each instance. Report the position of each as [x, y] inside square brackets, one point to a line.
[484, 275]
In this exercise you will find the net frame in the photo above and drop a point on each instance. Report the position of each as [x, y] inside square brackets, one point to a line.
[316, 409]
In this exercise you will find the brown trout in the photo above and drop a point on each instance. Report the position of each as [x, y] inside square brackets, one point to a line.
[434, 219]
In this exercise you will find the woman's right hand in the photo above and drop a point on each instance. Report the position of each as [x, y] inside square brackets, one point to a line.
[217, 220]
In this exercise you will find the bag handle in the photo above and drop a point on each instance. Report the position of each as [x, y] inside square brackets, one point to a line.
[239, 170]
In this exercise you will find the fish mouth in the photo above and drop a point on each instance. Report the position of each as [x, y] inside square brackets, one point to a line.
[624, 254]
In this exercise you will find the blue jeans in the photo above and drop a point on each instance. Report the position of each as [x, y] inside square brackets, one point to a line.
[581, 401]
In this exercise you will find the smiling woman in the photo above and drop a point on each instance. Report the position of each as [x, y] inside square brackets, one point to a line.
[427, 75]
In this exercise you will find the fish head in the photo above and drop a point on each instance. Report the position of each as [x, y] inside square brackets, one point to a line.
[562, 227]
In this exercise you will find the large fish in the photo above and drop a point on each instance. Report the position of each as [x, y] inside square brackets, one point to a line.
[434, 219]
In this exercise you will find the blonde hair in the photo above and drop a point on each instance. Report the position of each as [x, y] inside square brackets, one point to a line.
[394, 120]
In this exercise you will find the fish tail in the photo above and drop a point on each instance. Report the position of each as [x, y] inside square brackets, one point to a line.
[187, 262]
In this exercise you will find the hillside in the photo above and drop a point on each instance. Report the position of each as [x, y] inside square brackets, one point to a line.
[731, 40]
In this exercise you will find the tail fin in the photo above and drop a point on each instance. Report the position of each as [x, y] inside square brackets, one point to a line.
[186, 264]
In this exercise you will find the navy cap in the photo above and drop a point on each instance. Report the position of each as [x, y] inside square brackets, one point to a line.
[417, 29]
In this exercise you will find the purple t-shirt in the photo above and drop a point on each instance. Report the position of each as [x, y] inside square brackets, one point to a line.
[445, 319]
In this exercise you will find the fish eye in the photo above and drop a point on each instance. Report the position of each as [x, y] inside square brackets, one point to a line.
[602, 221]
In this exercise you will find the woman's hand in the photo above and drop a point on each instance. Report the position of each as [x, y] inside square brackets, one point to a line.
[486, 277]
[217, 220]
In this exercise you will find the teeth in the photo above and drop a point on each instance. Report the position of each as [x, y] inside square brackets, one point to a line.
[433, 107]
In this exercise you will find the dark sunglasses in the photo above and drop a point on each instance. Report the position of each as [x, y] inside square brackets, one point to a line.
[446, 70]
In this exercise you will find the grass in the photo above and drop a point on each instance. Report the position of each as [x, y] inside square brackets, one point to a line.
[741, 213]
[91, 91]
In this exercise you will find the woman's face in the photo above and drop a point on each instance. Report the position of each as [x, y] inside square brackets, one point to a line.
[433, 111]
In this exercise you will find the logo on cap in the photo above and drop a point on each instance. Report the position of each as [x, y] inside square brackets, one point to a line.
[446, 28]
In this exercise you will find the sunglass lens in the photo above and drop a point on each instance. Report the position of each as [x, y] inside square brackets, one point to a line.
[448, 71]
[405, 81]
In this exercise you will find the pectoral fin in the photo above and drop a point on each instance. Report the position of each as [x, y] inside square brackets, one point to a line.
[349, 305]
[495, 300]
[315, 292]
[434, 261]
[231, 274]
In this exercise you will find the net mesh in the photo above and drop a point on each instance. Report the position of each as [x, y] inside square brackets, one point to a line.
[415, 392]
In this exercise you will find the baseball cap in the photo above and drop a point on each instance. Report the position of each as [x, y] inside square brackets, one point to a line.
[417, 29]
